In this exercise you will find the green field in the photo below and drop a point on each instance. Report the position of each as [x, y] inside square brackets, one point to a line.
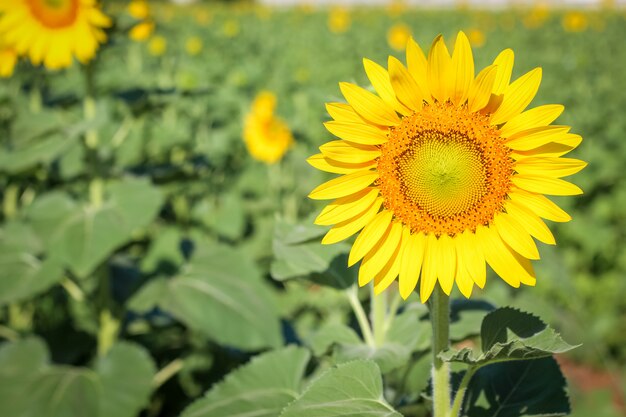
[144, 254]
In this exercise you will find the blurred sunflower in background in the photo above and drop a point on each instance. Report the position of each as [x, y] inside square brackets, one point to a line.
[267, 137]
[140, 10]
[8, 59]
[398, 35]
[575, 21]
[51, 32]
[444, 172]
[339, 20]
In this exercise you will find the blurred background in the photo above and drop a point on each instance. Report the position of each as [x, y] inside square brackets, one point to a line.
[112, 173]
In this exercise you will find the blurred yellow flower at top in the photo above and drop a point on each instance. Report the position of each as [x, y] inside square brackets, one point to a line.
[8, 59]
[139, 9]
[203, 17]
[339, 20]
[52, 32]
[396, 7]
[537, 16]
[193, 45]
[231, 28]
[157, 45]
[266, 136]
[476, 37]
[398, 35]
[575, 21]
[141, 31]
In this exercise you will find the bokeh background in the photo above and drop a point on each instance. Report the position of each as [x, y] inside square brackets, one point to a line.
[171, 102]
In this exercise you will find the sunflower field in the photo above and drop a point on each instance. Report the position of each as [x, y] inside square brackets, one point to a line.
[175, 238]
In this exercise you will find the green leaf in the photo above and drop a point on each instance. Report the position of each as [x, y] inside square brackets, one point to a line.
[165, 251]
[228, 219]
[509, 334]
[23, 271]
[532, 388]
[353, 389]
[126, 374]
[83, 236]
[221, 294]
[261, 388]
[330, 334]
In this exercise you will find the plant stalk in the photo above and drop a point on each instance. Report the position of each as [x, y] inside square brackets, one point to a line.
[440, 321]
[361, 317]
[460, 394]
[378, 312]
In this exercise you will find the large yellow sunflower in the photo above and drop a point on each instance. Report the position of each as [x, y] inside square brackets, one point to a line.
[52, 31]
[444, 171]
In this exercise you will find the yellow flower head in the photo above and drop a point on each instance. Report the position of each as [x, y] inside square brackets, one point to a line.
[538, 15]
[575, 21]
[476, 37]
[339, 20]
[157, 45]
[444, 171]
[141, 31]
[193, 45]
[266, 136]
[203, 17]
[8, 59]
[51, 32]
[139, 9]
[398, 35]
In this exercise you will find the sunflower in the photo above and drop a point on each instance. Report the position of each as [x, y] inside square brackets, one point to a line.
[398, 35]
[8, 59]
[52, 31]
[266, 136]
[444, 172]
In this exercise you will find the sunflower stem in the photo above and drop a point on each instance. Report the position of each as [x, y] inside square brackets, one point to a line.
[440, 320]
[89, 107]
[460, 393]
[378, 312]
[360, 315]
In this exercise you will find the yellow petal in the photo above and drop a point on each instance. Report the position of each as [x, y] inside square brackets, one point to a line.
[411, 264]
[418, 67]
[445, 255]
[345, 208]
[462, 68]
[370, 236]
[515, 236]
[390, 272]
[508, 264]
[328, 165]
[550, 167]
[535, 137]
[380, 255]
[540, 205]
[379, 77]
[344, 185]
[369, 106]
[504, 62]
[480, 89]
[349, 227]
[545, 185]
[361, 133]
[474, 260]
[530, 222]
[429, 269]
[342, 112]
[517, 96]
[439, 69]
[536, 117]
[463, 279]
[349, 153]
[405, 87]
[549, 150]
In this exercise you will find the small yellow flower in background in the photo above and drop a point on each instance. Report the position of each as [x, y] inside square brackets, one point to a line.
[8, 59]
[53, 32]
[231, 28]
[398, 35]
[476, 37]
[157, 45]
[444, 171]
[193, 45]
[339, 20]
[538, 15]
[139, 9]
[396, 7]
[203, 17]
[141, 31]
[266, 136]
[574, 21]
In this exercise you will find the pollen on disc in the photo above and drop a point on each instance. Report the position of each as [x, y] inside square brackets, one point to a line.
[444, 170]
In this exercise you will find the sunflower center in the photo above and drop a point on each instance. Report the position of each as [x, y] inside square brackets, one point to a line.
[54, 14]
[444, 170]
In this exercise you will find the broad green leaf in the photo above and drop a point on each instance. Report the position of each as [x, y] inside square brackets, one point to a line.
[261, 388]
[330, 334]
[509, 334]
[228, 218]
[165, 251]
[83, 236]
[125, 374]
[353, 389]
[23, 271]
[532, 388]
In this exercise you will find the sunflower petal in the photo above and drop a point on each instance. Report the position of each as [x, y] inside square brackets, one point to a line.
[405, 87]
[429, 269]
[462, 69]
[540, 205]
[530, 222]
[535, 137]
[360, 133]
[549, 167]
[515, 236]
[445, 253]
[480, 89]
[322, 163]
[411, 264]
[345, 208]
[380, 255]
[418, 66]
[349, 227]
[517, 96]
[369, 106]
[545, 185]
[342, 151]
[390, 272]
[379, 77]
[536, 117]
[469, 249]
[370, 236]
[504, 62]
[463, 279]
[439, 69]
[343, 112]
[344, 185]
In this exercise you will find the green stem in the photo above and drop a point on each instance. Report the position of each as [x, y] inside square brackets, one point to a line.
[9, 203]
[35, 102]
[440, 321]
[109, 325]
[167, 372]
[378, 312]
[460, 394]
[361, 317]
[89, 108]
